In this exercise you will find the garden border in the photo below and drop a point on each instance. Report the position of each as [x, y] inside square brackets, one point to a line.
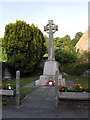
[7, 92]
[74, 95]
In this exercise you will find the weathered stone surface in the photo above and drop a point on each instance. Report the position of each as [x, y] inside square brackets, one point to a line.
[7, 75]
[64, 74]
[50, 65]
[74, 95]
[50, 68]
[7, 92]
[87, 73]
[17, 88]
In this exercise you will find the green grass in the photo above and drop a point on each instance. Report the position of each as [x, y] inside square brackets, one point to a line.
[23, 81]
[25, 91]
[84, 81]
[0, 103]
[27, 80]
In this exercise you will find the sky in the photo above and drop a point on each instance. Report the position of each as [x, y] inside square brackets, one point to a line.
[71, 17]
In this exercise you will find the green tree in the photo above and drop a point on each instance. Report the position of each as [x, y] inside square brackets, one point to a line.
[77, 38]
[46, 43]
[63, 43]
[3, 55]
[65, 52]
[65, 57]
[24, 45]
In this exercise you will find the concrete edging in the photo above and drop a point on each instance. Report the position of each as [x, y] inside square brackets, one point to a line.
[74, 95]
[7, 92]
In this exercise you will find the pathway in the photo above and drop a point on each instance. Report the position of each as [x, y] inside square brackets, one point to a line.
[41, 104]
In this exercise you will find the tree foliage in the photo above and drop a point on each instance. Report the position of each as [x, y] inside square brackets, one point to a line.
[65, 57]
[77, 38]
[24, 45]
[3, 55]
[65, 52]
[71, 62]
[46, 43]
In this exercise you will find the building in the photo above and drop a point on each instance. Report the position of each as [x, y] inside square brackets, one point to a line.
[83, 44]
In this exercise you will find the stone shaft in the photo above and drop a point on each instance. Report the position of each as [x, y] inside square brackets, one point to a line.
[51, 44]
[50, 28]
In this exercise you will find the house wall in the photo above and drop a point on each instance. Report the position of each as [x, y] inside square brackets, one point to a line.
[82, 44]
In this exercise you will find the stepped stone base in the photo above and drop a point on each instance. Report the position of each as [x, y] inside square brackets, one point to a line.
[49, 72]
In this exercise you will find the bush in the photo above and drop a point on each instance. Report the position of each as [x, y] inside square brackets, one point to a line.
[65, 57]
[76, 68]
[82, 57]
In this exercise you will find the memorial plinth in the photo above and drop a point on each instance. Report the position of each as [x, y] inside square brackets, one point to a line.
[51, 65]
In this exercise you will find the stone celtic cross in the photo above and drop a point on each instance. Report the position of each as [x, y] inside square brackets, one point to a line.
[51, 28]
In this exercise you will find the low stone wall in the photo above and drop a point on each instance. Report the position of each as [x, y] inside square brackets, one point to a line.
[74, 95]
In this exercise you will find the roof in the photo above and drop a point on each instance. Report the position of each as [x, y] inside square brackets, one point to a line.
[83, 44]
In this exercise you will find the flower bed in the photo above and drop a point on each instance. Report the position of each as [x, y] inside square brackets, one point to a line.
[74, 95]
[6, 86]
[7, 89]
[75, 88]
[75, 92]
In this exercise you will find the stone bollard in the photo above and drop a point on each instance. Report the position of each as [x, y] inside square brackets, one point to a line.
[56, 89]
[17, 88]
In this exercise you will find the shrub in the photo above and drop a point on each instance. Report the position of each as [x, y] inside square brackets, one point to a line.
[65, 57]
[76, 68]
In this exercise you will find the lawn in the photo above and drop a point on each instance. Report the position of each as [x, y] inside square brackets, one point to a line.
[23, 81]
[25, 91]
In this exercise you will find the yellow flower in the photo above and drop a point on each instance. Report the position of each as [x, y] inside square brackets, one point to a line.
[63, 84]
[79, 84]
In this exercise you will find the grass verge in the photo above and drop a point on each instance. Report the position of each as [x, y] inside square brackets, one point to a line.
[24, 91]
[23, 81]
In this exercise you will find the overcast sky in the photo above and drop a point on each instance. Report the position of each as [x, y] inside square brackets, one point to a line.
[71, 17]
